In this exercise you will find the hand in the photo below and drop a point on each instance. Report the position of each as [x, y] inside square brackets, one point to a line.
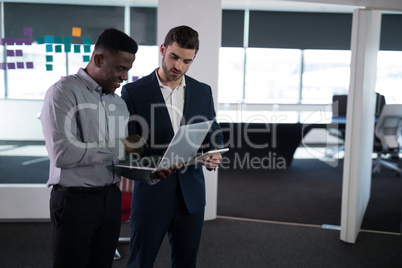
[134, 144]
[165, 173]
[212, 161]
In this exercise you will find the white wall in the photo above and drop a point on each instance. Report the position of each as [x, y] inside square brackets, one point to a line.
[360, 121]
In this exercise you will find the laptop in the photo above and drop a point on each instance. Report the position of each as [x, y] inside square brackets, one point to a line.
[182, 149]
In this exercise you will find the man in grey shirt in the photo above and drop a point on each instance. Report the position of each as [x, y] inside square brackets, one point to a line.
[84, 123]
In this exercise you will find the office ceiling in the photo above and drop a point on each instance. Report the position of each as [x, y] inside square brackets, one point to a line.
[339, 6]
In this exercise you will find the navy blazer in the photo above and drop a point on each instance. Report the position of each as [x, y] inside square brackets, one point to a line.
[146, 104]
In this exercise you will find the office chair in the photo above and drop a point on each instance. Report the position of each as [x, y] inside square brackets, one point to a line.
[126, 188]
[388, 134]
[339, 105]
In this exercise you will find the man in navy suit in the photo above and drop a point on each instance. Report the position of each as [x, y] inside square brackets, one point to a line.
[159, 104]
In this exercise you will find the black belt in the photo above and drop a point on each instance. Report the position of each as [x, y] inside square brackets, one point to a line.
[87, 190]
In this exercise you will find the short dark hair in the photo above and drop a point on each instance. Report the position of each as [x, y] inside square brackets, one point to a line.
[184, 36]
[115, 40]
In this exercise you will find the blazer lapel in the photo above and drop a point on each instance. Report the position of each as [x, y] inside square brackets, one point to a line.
[187, 102]
[161, 105]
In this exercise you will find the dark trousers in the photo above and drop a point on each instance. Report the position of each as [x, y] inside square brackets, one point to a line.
[85, 227]
[148, 231]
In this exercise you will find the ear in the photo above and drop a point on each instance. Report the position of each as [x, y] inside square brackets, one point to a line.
[98, 59]
[162, 49]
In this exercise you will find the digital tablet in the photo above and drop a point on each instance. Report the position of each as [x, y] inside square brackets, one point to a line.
[206, 154]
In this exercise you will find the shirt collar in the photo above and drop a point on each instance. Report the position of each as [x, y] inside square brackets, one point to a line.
[182, 83]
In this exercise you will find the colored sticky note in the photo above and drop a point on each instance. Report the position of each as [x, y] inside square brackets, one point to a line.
[10, 53]
[87, 49]
[2, 41]
[28, 41]
[49, 39]
[10, 41]
[76, 32]
[77, 48]
[67, 40]
[20, 65]
[85, 58]
[86, 40]
[49, 48]
[40, 40]
[67, 48]
[58, 40]
[18, 53]
[27, 31]
[11, 65]
[19, 41]
[49, 58]
[2, 65]
[30, 65]
[57, 48]
[135, 78]
[49, 67]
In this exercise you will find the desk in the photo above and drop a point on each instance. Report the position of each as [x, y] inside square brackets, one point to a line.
[267, 140]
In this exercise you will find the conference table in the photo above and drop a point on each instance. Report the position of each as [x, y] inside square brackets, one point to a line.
[268, 139]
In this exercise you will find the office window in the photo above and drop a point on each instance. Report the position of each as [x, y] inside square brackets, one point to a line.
[325, 73]
[320, 43]
[272, 75]
[146, 61]
[143, 25]
[2, 90]
[74, 61]
[301, 30]
[389, 76]
[45, 42]
[233, 28]
[32, 81]
[231, 75]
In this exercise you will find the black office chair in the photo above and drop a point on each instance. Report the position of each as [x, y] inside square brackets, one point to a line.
[339, 105]
[388, 142]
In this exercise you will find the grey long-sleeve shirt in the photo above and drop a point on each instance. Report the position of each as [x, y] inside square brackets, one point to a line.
[82, 128]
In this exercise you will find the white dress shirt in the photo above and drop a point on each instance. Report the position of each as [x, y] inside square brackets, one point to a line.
[174, 99]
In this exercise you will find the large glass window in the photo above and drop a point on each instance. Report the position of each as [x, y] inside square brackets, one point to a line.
[231, 75]
[146, 61]
[47, 41]
[40, 70]
[44, 42]
[389, 76]
[272, 75]
[325, 73]
[306, 62]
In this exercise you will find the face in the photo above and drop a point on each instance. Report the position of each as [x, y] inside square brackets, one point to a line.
[176, 61]
[113, 69]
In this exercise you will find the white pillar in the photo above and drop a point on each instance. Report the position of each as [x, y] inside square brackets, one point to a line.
[360, 121]
[206, 18]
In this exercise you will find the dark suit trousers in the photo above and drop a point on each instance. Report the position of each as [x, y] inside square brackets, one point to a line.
[183, 229]
[85, 227]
